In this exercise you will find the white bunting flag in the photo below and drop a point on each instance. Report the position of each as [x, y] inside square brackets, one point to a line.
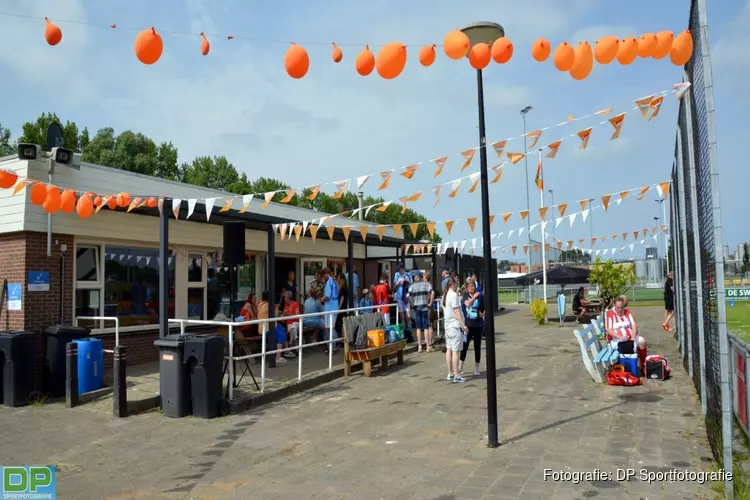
[246, 199]
[209, 207]
[572, 219]
[361, 181]
[584, 215]
[191, 206]
[558, 221]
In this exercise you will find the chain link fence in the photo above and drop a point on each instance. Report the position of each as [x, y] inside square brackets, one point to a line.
[696, 239]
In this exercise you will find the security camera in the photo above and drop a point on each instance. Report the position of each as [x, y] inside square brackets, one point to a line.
[62, 156]
[29, 151]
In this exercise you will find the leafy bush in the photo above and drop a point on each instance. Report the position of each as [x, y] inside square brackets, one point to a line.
[539, 311]
[612, 279]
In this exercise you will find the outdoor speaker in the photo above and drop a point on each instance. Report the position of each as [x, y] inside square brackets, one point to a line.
[234, 243]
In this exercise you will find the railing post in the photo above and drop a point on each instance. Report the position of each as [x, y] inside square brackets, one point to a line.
[300, 342]
[330, 342]
[120, 403]
[263, 357]
[230, 385]
[71, 377]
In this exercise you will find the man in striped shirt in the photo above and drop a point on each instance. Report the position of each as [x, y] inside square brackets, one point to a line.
[421, 296]
[621, 326]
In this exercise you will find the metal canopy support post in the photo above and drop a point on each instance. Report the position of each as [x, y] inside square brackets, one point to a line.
[434, 268]
[164, 268]
[350, 271]
[271, 272]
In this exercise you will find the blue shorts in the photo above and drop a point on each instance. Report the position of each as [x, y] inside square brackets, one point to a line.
[422, 318]
[280, 335]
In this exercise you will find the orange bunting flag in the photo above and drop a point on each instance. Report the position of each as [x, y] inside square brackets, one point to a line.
[584, 204]
[643, 192]
[499, 147]
[492, 219]
[570, 244]
[386, 179]
[515, 157]
[543, 212]
[468, 156]
[363, 232]
[614, 236]
[538, 179]
[298, 231]
[553, 149]
[580, 242]
[414, 197]
[431, 229]
[330, 230]
[513, 249]
[341, 188]
[381, 231]
[472, 221]
[440, 162]
[624, 195]
[603, 112]
[524, 214]
[559, 245]
[414, 228]
[664, 228]
[289, 195]
[314, 231]
[644, 104]
[346, 230]
[605, 201]
[449, 226]
[506, 217]
[498, 170]
[474, 179]
[593, 241]
[282, 231]
[410, 171]
[314, 190]
[547, 246]
[534, 138]
[656, 107]
[645, 232]
[616, 122]
[624, 236]
[525, 249]
[397, 230]
[561, 209]
[603, 238]
[536, 247]
[267, 198]
[22, 184]
[663, 189]
[227, 205]
[455, 186]
[635, 235]
[584, 136]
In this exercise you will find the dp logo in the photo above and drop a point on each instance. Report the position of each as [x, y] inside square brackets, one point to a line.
[36, 482]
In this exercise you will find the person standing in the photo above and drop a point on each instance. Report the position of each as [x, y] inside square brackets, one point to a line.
[473, 302]
[668, 302]
[454, 331]
[382, 296]
[365, 301]
[401, 282]
[421, 296]
[330, 301]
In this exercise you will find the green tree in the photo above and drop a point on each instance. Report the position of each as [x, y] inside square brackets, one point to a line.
[214, 173]
[612, 279]
[36, 132]
[6, 148]
[166, 162]
[745, 259]
[129, 151]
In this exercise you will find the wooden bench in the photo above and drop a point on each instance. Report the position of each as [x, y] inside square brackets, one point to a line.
[366, 356]
[597, 355]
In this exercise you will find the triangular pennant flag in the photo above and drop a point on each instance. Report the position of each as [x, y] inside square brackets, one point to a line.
[664, 228]
[133, 204]
[533, 226]
[605, 201]
[653, 230]
[22, 184]
[680, 89]
[472, 221]
[520, 231]
[176, 208]
[341, 188]
[330, 230]
[539, 178]
[506, 217]
[558, 244]
[553, 148]
[397, 230]
[614, 236]
[543, 212]
[525, 249]
[436, 191]
[534, 138]
[304, 227]
[513, 249]
[644, 189]
[160, 204]
[386, 179]
[642, 242]
[635, 235]
[449, 226]
[499, 147]
[536, 247]
[267, 198]
[227, 205]
[584, 204]
[515, 157]
[410, 171]
[558, 221]
[584, 135]
[455, 185]
[572, 218]
[289, 195]
[616, 122]
[346, 230]
[314, 190]
[547, 246]
[440, 162]
[383, 207]
[644, 104]
[381, 231]
[297, 231]
[656, 107]
[191, 206]
[468, 156]
[524, 214]
[631, 247]
[580, 242]
[282, 231]
[314, 231]
[498, 171]
[645, 231]
[431, 229]
[105, 199]
[584, 215]
[603, 238]
[561, 209]
[624, 236]
[663, 189]
[604, 111]
[492, 220]
[604, 252]
[624, 195]
[474, 179]
[414, 227]
[473, 244]
[570, 244]
[361, 180]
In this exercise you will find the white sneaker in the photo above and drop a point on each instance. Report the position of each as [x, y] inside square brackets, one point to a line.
[477, 371]
[449, 378]
[280, 360]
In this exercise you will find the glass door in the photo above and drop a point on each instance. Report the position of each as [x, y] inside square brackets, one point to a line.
[310, 269]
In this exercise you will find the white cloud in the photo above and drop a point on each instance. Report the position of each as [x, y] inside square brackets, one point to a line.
[730, 50]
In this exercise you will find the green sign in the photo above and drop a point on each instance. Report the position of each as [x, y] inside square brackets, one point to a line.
[28, 482]
[737, 293]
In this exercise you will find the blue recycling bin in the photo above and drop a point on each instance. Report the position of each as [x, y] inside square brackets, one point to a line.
[90, 365]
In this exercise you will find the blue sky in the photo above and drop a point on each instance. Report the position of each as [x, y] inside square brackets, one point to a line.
[334, 124]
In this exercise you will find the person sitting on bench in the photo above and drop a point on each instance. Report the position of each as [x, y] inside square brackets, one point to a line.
[579, 303]
[622, 328]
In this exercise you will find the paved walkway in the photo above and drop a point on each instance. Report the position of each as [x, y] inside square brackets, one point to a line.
[407, 435]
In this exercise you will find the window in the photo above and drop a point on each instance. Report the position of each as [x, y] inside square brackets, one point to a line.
[196, 288]
[217, 284]
[87, 265]
[88, 293]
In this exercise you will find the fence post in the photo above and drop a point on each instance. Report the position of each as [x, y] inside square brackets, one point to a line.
[71, 375]
[685, 281]
[120, 406]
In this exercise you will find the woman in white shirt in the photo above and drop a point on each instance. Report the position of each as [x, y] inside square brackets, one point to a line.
[455, 328]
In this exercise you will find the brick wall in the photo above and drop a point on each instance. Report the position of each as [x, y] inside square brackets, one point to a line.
[12, 262]
[139, 347]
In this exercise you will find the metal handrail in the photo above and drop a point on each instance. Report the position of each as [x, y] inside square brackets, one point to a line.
[106, 318]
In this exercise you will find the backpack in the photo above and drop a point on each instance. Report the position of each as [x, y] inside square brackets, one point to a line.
[618, 376]
[657, 368]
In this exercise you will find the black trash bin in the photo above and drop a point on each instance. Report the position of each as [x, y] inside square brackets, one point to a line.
[58, 337]
[204, 356]
[17, 367]
[173, 376]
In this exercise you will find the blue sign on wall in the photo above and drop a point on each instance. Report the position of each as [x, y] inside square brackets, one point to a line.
[15, 290]
[38, 281]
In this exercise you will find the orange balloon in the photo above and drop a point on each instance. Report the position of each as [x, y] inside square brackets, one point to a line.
[52, 33]
[123, 200]
[502, 50]
[456, 44]
[97, 201]
[605, 49]
[68, 201]
[627, 51]
[7, 179]
[427, 55]
[541, 49]
[205, 46]
[391, 60]
[646, 45]
[85, 207]
[584, 62]
[365, 61]
[682, 49]
[296, 61]
[151, 202]
[663, 44]
[337, 54]
[52, 203]
[480, 56]
[38, 194]
[564, 57]
[148, 46]
[112, 203]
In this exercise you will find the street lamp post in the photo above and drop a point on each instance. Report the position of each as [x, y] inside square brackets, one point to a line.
[486, 32]
[524, 112]
[552, 204]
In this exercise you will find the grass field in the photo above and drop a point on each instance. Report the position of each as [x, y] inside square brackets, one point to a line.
[738, 320]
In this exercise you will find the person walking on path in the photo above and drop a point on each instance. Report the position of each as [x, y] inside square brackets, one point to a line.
[473, 302]
[455, 331]
[421, 296]
[668, 302]
[330, 301]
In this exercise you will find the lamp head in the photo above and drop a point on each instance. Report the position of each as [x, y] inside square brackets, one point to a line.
[526, 110]
[483, 32]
